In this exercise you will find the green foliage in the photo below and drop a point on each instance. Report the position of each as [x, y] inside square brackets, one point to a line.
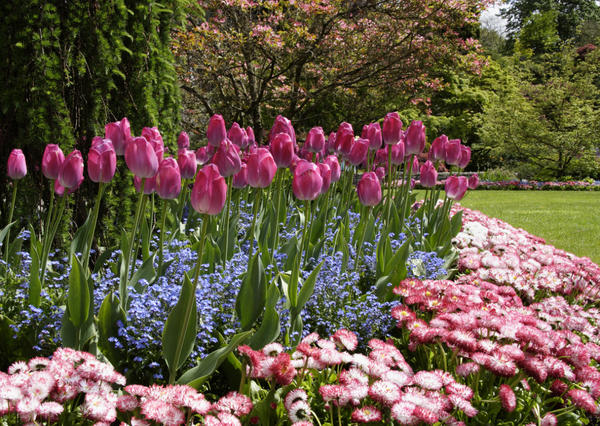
[539, 34]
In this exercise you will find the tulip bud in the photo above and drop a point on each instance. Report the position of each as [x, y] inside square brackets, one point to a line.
[186, 160]
[453, 152]
[261, 168]
[428, 175]
[358, 152]
[119, 133]
[392, 129]
[183, 141]
[153, 136]
[456, 187]
[437, 152]
[369, 189]
[238, 136]
[397, 153]
[204, 154]
[71, 171]
[465, 156]
[52, 160]
[282, 149]
[240, 179]
[344, 142]
[380, 172]
[149, 184]
[141, 158]
[16, 167]
[381, 156]
[227, 158]
[473, 181]
[315, 140]
[344, 127]
[58, 188]
[251, 137]
[334, 165]
[102, 160]
[325, 172]
[330, 144]
[307, 181]
[374, 136]
[168, 179]
[216, 131]
[209, 191]
[282, 125]
[415, 138]
[415, 164]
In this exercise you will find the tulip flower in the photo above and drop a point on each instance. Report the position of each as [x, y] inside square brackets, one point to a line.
[250, 134]
[168, 179]
[344, 142]
[71, 171]
[414, 140]
[16, 168]
[58, 188]
[282, 125]
[453, 152]
[227, 158]
[216, 131]
[437, 152]
[456, 187]
[325, 172]
[204, 154]
[240, 179]
[261, 168]
[380, 172]
[153, 136]
[374, 136]
[344, 127]
[428, 174]
[282, 149]
[330, 144]
[365, 131]
[119, 133]
[473, 181]
[415, 164]
[238, 136]
[141, 158]
[307, 181]
[369, 189]
[209, 191]
[397, 153]
[358, 152]
[183, 141]
[186, 160]
[52, 160]
[149, 184]
[315, 140]
[381, 156]
[102, 160]
[392, 129]
[465, 156]
[334, 165]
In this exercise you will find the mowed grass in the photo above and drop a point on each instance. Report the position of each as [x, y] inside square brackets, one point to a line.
[569, 220]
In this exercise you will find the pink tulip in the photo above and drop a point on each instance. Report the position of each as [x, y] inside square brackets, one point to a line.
[428, 174]
[58, 188]
[282, 149]
[380, 172]
[261, 168]
[315, 140]
[282, 125]
[325, 172]
[240, 179]
[204, 154]
[227, 158]
[334, 165]
[102, 160]
[168, 179]
[71, 171]
[330, 144]
[437, 152]
[414, 140]
[358, 152]
[381, 156]
[415, 164]
[344, 127]
[149, 184]
[344, 142]
[465, 156]
[52, 160]
[209, 191]
[183, 141]
[16, 167]
[397, 153]
[307, 181]
[153, 136]
[141, 158]
[453, 152]
[374, 136]
[119, 133]
[473, 181]
[365, 131]
[250, 134]
[369, 189]
[456, 187]
[392, 128]
[238, 136]
[216, 131]
[186, 160]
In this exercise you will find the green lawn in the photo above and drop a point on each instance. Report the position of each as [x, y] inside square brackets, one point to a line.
[569, 220]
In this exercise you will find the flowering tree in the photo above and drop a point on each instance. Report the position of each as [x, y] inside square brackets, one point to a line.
[247, 59]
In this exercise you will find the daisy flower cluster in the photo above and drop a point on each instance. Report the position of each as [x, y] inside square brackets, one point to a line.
[493, 250]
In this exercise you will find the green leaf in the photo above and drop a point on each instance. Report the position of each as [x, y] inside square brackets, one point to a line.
[146, 232]
[227, 240]
[456, 224]
[290, 248]
[110, 312]
[197, 375]
[101, 259]
[270, 327]
[125, 249]
[80, 238]
[382, 290]
[5, 231]
[179, 334]
[145, 272]
[307, 289]
[252, 295]
[35, 284]
[78, 299]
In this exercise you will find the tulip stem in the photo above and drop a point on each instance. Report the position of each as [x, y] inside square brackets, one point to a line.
[50, 238]
[10, 216]
[90, 236]
[389, 189]
[407, 185]
[306, 233]
[163, 217]
[279, 178]
[251, 233]
[228, 209]
[205, 219]
[127, 257]
[361, 239]
[181, 203]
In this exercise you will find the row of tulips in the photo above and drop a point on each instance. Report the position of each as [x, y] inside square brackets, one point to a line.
[232, 164]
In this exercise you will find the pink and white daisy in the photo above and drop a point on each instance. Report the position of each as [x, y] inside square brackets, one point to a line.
[366, 414]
